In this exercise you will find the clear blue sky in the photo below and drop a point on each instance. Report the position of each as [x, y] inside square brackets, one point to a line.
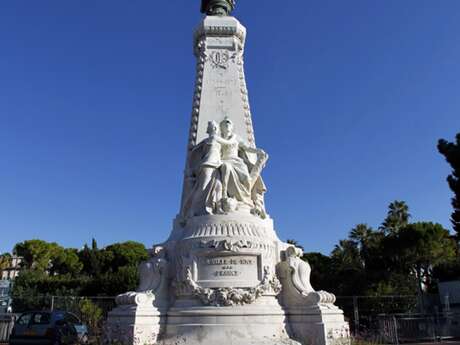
[348, 97]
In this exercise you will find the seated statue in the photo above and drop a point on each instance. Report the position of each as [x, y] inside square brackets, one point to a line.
[204, 163]
[221, 176]
[239, 176]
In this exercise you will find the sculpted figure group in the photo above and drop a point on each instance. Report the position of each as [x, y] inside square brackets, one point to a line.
[221, 176]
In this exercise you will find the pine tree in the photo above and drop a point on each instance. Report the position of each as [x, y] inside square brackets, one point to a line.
[451, 151]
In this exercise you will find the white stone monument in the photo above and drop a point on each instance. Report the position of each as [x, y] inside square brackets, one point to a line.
[223, 276]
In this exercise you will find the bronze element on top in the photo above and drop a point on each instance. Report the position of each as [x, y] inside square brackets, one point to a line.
[217, 7]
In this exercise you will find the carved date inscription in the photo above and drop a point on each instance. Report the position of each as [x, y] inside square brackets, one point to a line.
[241, 267]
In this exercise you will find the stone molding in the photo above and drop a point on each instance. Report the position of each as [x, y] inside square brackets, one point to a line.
[229, 245]
[220, 27]
[230, 225]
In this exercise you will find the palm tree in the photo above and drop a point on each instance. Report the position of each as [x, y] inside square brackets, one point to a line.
[361, 234]
[397, 217]
[295, 243]
[346, 254]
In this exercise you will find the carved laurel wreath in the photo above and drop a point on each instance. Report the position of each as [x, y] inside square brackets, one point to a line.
[233, 296]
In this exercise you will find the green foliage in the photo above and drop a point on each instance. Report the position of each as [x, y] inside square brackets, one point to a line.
[397, 217]
[92, 259]
[112, 284]
[418, 248]
[90, 313]
[399, 259]
[125, 254]
[66, 261]
[447, 271]
[5, 261]
[451, 151]
[37, 254]
[320, 268]
[51, 270]
[295, 243]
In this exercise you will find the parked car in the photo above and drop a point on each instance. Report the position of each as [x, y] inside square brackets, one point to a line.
[48, 327]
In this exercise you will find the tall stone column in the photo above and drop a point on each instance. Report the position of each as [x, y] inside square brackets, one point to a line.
[220, 88]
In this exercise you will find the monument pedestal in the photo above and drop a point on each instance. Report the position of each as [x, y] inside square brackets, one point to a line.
[261, 323]
[223, 276]
[319, 325]
[134, 324]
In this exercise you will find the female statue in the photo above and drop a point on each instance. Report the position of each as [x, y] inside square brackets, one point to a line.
[204, 160]
[222, 177]
[237, 181]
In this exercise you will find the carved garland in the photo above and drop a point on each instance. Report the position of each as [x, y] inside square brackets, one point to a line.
[233, 296]
[247, 109]
[201, 59]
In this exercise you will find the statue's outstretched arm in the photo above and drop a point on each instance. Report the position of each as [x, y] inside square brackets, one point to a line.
[221, 140]
[251, 149]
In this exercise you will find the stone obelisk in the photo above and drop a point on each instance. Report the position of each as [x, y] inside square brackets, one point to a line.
[224, 276]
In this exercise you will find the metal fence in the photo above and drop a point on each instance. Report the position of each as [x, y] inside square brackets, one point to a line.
[362, 311]
[396, 329]
[6, 325]
[381, 319]
[400, 319]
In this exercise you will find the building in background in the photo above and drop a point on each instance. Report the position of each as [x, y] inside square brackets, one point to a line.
[11, 272]
[449, 293]
[5, 296]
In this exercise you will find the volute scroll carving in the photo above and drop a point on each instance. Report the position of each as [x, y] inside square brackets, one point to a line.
[154, 280]
[295, 275]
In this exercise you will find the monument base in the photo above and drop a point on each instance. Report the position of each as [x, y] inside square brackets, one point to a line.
[134, 325]
[263, 322]
[319, 325]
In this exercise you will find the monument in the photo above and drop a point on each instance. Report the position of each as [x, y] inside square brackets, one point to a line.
[223, 276]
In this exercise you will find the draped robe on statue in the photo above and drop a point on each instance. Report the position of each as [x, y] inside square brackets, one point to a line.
[211, 160]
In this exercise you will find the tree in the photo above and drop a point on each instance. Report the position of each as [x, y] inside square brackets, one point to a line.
[91, 314]
[365, 239]
[361, 234]
[5, 261]
[37, 254]
[128, 253]
[66, 261]
[348, 269]
[92, 259]
[397, 217]
[418, 248]
[451, 152]
[346, 255]
[295, 243]
[321, 277]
